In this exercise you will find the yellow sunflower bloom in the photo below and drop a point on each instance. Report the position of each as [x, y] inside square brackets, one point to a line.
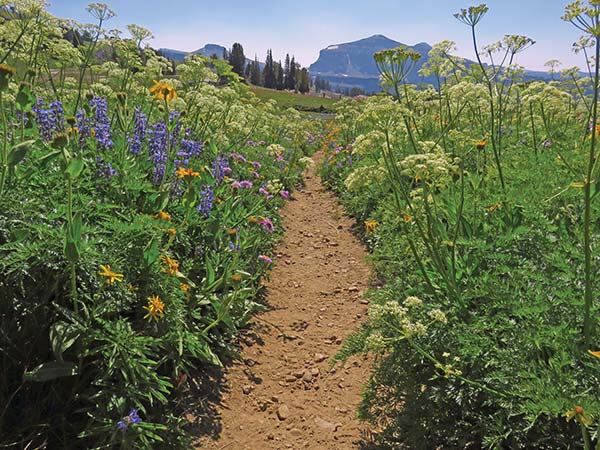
[371, 226]
[110, 275]
[163, 216]
[163, 91]
[155, 308]
[172, 266]
[596, 353]
[186, 173]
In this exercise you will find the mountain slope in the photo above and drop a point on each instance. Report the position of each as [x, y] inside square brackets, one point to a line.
[351, 64]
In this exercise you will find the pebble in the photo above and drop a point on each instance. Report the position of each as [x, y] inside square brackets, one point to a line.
[283, 412]
[319, 357]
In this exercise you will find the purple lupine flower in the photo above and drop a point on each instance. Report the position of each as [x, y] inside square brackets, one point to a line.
[104, 169]
[130, 419]
[139, 132]
[188, 149]
[547, 143]
[251, 143]
[207, 198]
[235, 247]
[59, 116]
[219, 168]
[44, 119]
[267, 225]
[256, 164]
[255, 174]
[101, 123]
[285, 194]
[265, 259]
[157, 149]
[84, 127]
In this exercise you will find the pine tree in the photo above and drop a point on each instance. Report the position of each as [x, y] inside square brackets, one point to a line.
[291, 84]
[286, 72]
[236, 59]
[255, 72]
[304, 81]
[269, 71]
[280, 77]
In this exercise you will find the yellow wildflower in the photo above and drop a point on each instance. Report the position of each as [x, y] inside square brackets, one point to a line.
[163, 91]
[187, 173]
[253, 219]
[172, 266]
[232, 232]
[370, 226]
[579, 414]
[236, 278]
[163, 216]
[132, 288]
[480, 144]
[494, 207]
[407, 218]
[172, 231]
[110, 275]
[596, 353]
[155, 308]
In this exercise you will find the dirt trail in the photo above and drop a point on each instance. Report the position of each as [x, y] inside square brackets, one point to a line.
[283, 394]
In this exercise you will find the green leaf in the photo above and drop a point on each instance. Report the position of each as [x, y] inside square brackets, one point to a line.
[24, 100]
[62, 337]
[49, 157]
[18, 152]
[51, 371]
[76, 228]
[72, 252]
[74, 168]
[151, 252]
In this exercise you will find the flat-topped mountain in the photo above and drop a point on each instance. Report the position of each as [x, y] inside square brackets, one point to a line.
[352, 65]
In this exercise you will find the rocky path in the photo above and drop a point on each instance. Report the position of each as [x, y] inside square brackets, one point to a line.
[283, 394]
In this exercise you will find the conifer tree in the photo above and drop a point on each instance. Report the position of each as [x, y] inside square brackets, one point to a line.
[291, 84]
[255, 72]
[269, 77]
[280, 78]
[303, 81]
[236, 59]
[286, 72]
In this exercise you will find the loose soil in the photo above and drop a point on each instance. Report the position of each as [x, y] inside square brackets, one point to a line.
[283, 393]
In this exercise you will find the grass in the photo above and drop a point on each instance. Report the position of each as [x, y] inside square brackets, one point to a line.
[286, 99]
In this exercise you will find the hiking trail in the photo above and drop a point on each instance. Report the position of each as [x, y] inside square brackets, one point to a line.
[283, 393]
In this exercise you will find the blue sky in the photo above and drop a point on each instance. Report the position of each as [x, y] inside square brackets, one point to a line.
[306, 26]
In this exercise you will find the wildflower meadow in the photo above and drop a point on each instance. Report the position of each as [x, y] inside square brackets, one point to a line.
[140, 207]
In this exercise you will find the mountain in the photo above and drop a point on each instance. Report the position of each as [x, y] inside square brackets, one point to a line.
[351, 64]
[208, 50]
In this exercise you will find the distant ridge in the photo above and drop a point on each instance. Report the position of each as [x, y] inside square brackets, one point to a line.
[208, 50]
[351, 64]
